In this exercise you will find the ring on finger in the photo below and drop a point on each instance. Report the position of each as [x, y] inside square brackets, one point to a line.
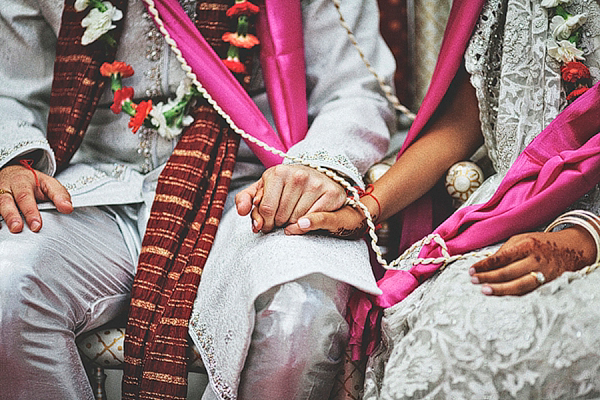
[6, 191]
[539, 277]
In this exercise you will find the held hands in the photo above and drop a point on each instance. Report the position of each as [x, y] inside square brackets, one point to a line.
[22, 194]
[509, 270]
[285, 193]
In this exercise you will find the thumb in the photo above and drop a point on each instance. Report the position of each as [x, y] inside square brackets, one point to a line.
[311, 222]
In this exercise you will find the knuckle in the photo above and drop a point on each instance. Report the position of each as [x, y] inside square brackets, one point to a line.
[278, 171]
[315, 185]
[300, 177]
[21, 196]
[266, 210]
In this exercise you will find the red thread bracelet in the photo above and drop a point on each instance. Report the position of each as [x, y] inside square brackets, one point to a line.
[369, 192]
[27, 163]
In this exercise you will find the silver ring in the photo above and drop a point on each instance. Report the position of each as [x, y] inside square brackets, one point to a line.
[539, 277]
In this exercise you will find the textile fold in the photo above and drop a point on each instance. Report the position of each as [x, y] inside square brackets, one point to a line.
[557, 168]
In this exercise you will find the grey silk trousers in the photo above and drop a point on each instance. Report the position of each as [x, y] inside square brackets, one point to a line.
[75, 275]
[72, 276]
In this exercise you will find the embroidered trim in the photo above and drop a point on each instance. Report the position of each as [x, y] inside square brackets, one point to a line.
[207, 347]
[7, 152]
[85, 180]
[323, 156]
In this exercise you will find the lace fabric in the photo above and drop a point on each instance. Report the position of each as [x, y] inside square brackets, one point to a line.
[447, 340]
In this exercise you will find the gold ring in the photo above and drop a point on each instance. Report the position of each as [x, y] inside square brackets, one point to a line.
[5, 191]
[539, 277]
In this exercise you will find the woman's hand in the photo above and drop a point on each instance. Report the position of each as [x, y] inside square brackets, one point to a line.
[22, 194]
[347, 222]
[509, 270]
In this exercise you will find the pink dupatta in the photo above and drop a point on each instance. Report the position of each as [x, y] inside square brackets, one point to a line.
[282, 59]
[556, 169]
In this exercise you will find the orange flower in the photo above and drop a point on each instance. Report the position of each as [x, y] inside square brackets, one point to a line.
[242, 8]
[116, 68]
[121, 96]
[247, 41]
[574, 71]
[235, 65]
[142, 111]
[577, 92]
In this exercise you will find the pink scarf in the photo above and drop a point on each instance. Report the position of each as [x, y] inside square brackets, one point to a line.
[556, 169]
[282, 59]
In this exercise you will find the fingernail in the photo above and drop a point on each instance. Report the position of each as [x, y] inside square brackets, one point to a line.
[471, 271]
[486, 290]
[35, 226]
[255, 223]
[304, 223]
[475, 280]
[14, 226]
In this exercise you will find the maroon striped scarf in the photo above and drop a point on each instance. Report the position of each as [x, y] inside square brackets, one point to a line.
[187, 207]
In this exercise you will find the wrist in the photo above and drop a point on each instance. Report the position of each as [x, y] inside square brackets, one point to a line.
[373, 205]
[583, 242]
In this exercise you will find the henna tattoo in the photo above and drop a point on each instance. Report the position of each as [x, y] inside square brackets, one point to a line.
[354, 233]
[558, 258]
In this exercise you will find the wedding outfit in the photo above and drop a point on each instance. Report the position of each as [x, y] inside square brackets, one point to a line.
[446, 339]
[261, 296]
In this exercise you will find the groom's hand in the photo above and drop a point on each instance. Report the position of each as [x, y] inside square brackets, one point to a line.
[285, 193]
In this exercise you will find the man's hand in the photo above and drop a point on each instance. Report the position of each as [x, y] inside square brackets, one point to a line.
[287, 192]
[508, 271]
[20, 181]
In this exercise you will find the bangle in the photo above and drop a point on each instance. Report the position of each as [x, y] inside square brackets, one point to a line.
[584, 219]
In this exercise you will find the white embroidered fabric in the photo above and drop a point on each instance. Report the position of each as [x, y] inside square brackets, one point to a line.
[447, 340]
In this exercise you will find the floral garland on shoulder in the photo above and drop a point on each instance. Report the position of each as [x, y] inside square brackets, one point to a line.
[563, 47]
[167, 119]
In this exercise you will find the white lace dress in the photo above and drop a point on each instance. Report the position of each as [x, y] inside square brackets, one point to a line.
[449, 341]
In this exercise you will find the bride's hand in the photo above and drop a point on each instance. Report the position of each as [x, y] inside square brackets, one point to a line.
[346, 223]
[512, 269]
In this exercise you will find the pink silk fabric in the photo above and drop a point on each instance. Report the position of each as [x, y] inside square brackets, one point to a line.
[556, 169]
[282, 50]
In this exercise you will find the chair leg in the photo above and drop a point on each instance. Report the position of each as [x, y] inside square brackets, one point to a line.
[99, 378]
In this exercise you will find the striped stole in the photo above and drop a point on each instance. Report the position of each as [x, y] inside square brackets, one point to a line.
[187, 207]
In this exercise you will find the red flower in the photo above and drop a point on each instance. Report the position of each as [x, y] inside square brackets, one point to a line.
[247, 41]
[142, 111]
[577, 92]
[121, 96]
[235, 65]
[118, 67]
[574, 71]
[242, 8]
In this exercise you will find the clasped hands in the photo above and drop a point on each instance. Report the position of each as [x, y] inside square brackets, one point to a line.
[507, 272]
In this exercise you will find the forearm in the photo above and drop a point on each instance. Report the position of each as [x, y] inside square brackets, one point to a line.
[453, 136]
